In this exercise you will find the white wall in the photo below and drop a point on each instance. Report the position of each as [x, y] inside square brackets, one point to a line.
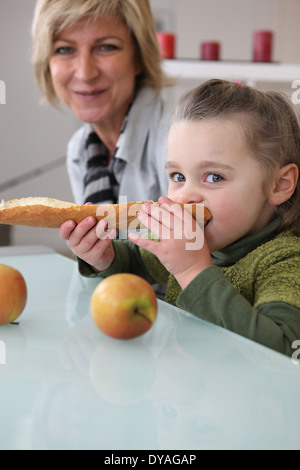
[32, 135]
[232, 22]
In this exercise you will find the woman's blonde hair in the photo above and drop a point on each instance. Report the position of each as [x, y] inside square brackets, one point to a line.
[52, 16]
[270, 124]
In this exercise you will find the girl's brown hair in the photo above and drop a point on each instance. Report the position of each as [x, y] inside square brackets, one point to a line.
[269, 121]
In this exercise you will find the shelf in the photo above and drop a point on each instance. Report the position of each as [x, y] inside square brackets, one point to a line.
[253, 72]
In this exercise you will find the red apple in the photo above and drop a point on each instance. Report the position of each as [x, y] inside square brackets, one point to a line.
[13, 294]
[124, 306]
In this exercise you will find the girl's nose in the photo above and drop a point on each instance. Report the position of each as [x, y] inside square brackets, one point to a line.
[191, 194]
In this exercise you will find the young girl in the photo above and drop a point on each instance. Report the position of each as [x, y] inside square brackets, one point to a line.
[236, 150]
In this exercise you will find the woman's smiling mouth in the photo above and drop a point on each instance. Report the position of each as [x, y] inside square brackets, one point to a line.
[89, 95]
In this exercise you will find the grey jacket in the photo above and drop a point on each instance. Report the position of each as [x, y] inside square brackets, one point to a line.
[143, 147]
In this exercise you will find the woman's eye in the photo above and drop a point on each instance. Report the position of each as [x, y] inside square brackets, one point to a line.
[107, 48]
[63, 50]
[214, 178]
[177, 177]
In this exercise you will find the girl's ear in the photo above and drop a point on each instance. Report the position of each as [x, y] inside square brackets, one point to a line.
[284, 184]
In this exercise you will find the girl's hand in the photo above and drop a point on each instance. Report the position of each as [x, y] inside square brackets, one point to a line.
[90, 242]
[181, 247]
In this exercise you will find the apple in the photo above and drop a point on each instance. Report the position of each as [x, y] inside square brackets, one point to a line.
[124, 306]
[13, 294]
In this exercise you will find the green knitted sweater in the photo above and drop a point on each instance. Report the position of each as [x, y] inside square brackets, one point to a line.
[269, 273]
[253, 288]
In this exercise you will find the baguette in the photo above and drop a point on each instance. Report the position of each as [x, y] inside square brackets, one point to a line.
[52, 213]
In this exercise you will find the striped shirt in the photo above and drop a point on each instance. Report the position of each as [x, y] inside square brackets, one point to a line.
[138, 165]
[100, 181]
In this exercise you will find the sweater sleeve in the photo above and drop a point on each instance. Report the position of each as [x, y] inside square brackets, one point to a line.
[127, 260]
[211, 297]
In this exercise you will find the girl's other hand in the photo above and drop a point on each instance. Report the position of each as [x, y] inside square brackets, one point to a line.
[90, 241]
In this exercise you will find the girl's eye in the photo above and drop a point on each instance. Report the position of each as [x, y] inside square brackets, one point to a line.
[214, 178]
[177, 177]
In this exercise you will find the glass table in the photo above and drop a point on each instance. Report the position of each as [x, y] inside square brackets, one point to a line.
[185, 384]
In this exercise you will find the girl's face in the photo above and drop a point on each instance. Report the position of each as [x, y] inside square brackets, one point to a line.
[210, 163]
[93, 68]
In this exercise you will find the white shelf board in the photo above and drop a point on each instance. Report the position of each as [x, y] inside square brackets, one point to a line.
[256, 72]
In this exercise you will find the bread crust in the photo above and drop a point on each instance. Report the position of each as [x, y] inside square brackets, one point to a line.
[52, 213]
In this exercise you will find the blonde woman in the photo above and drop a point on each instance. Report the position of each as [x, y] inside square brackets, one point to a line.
[101, 59]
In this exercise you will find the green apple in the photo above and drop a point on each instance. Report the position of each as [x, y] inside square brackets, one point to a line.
[124, 306]
[13, 294]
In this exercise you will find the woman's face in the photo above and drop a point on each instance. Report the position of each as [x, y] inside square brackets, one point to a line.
[93, 68]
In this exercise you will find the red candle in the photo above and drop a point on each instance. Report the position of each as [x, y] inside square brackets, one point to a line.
[262, 46]
[167, 44]
[210, 50]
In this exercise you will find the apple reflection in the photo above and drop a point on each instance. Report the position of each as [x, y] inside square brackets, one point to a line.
[122, 372]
